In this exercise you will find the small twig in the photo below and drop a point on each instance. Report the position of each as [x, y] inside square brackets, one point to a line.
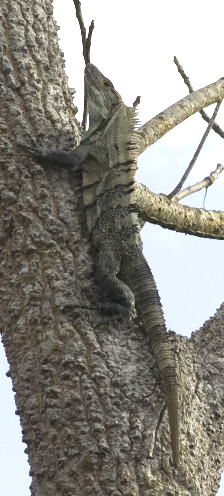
[183, 74]
[206, 191]
[193, 160]
[137, 101]
[86, 40]
[86, 45]
[205, 116]
[77, 4]
[205, 183]
[85, 110]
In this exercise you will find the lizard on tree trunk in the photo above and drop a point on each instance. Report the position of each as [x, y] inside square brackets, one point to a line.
[107, 155]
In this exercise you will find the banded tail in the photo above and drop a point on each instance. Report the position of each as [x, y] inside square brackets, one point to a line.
[149, 308]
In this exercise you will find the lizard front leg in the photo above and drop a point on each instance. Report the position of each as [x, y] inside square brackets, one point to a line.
[107, 267]
[70, 159]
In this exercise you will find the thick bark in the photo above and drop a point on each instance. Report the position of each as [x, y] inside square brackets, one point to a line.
[86, 385]
[159, 125]
[159, 209]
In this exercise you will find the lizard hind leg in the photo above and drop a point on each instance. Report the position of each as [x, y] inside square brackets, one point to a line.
[107, 268]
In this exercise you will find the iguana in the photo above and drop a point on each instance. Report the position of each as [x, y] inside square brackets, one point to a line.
[107, 156]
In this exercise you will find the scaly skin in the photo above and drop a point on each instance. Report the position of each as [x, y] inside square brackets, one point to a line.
[115, 233]
[108, 154]
[138, 276]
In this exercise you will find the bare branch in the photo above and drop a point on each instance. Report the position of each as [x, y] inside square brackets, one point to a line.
[158, 209]
[159, 125]
[183, 74]
[205, 183]
[85, 110]
[86, 41]
[196, 154]
[86, 45]
[205, 116]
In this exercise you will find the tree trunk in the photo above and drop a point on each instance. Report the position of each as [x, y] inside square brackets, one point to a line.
[87, 387]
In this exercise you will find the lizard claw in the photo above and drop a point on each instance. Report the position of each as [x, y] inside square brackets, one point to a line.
[39, 152]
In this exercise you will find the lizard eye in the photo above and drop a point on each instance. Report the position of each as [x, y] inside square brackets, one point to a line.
[107, 83]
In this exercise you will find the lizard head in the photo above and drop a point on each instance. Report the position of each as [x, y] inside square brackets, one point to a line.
[101, 94]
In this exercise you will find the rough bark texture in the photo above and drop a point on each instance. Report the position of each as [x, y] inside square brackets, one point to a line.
[159, 209]
[86, 385]
[159, 125]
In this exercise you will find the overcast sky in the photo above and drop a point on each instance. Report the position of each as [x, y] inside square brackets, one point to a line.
[134, 44]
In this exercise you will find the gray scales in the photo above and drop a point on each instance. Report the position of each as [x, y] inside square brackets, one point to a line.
[108, 159]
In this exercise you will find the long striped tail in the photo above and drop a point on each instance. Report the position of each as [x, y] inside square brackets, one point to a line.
[149, 308]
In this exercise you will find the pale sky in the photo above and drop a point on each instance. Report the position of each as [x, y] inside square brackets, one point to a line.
[134, 44]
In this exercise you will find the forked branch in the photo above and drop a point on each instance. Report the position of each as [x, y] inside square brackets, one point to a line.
[159, 125]
[186, 80]
[86, 40]
[86, 45]
[205, 183]
[196, 154]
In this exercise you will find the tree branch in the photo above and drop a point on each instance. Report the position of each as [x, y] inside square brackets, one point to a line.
[205, 183]
[196, 154]
[86, 40]
[86, 45]
[205, 116]
[158, 209]
[159, 125]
